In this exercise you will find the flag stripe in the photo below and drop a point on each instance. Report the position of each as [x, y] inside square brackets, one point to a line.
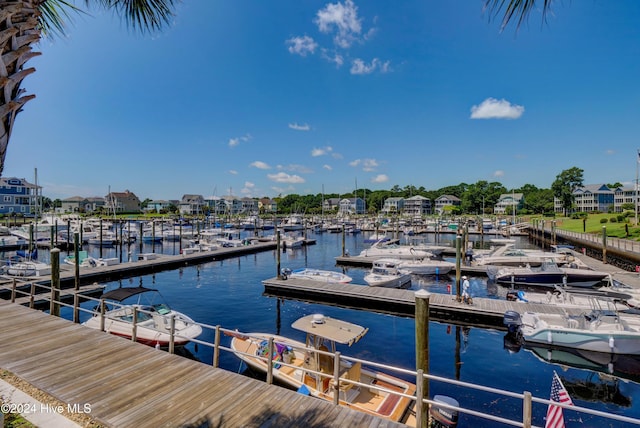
[555, 417]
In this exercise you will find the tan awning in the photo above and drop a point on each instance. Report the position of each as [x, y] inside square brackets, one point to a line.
[330, 328]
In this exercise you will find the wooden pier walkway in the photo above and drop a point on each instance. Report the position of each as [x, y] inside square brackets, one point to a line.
[483, 312]
[120, 383]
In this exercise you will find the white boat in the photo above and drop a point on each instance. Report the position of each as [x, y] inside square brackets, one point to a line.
[425, 266]
[507, 255]
[293, 223]
[385, 273]
[291, 240]
[309, 366]
[547, 275]
[27, 268]
[600, 330]
[154, 318]
[7, 240]
[385, 249]
[318, 275]
[107, 239]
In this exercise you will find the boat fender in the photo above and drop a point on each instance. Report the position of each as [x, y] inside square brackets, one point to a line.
[612, 343]
[549, 337]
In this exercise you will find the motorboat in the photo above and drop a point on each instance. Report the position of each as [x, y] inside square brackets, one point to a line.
[309, 366]
[292, 240]
[317, 275]
[385, 273]
[426, 266]
[602, 329]
[27, 268]
[389, 249]
[508, 255]
[293, 223]
[547, 275]
[154, 317]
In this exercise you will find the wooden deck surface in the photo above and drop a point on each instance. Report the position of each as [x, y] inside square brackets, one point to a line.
[126, 384]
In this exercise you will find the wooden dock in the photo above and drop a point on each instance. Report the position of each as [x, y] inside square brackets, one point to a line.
[120, 383]
[443, 307]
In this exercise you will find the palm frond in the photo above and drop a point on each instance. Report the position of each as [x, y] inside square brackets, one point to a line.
[516, 9]
[53, 17]
[142, 15]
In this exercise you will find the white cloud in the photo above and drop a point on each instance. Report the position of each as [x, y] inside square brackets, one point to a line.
[321, 151]
[380, 178]
[283, 177]
[367, 164]
[498, 173]
[295, 168]
[610, 152]
[249, 185]
[302, 45]
[260, 165]
[492, 108]
[297, 127]
[342, 18]
[233, 172]
[327, 167]
[358, 66]
[235, 141]
[333, 57]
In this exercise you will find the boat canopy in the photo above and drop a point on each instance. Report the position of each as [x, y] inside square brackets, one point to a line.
[330, 328]
[120, 294]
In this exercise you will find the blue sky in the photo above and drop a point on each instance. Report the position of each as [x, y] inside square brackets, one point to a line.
[257, 98]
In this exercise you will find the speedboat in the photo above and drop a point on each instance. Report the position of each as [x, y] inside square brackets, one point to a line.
[154, 318]
[548, 275]
[507, 255]
[385, 273]
[386, 249]
[425, 266]
[309, 366]
[317, 275]
[27, 268]
[599, 330]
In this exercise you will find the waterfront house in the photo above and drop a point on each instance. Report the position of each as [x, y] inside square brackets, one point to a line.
[446, 201]
[330, 205]
[393, 205]
[509, 202]
[267, 206]
[75, 204]
[249, 205]
[122, 202]
[417, 206]
[191, 204]
[18, 196]
[350, 206]
[95, 203]
[160, 205]
[589, 198]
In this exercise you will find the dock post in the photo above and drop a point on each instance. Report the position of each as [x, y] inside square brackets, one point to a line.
[270, 362]
[100, 237]
[458, 257]
[31, 243]
[54, 305]
[604, 244]
[278, 273]
[343, 241]
[526, 410]
[68, 234]
[13, 290]
[76, 254]
[172, 335]
[422, 355]
[216, 348]
[553, 232]
[336, 378]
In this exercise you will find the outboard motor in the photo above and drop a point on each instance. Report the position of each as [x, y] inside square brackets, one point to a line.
[442, 417]
[285, 272]
[512, 321]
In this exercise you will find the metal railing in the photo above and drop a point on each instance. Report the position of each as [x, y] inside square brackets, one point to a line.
[336, 378]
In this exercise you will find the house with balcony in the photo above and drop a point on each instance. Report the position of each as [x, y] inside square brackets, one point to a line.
[446, 202]
[351, 206]
[417, 206]
[267, 206]
[76, 204]
[394, 205]
[507, 202]
[122, 202]
[590, 198]
[191, 204]
[18, 196]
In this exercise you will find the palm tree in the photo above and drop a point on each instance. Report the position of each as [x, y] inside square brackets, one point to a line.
[24, 22]
[516, 9]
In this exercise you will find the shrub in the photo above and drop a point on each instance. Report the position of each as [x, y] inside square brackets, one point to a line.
[613, 220]
[621, 218]
[603, 220]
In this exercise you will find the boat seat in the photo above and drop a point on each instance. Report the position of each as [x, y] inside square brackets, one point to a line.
[352, 374]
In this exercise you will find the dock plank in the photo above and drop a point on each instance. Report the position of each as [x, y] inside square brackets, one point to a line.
[129, 384]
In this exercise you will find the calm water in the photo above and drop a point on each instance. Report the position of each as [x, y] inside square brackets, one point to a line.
[230, 293]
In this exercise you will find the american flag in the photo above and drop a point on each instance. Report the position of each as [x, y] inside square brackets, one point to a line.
[555, 419]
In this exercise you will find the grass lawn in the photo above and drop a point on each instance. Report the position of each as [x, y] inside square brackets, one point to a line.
[594, 224]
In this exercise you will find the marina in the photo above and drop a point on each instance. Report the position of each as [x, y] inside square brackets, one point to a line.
[236, 292]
